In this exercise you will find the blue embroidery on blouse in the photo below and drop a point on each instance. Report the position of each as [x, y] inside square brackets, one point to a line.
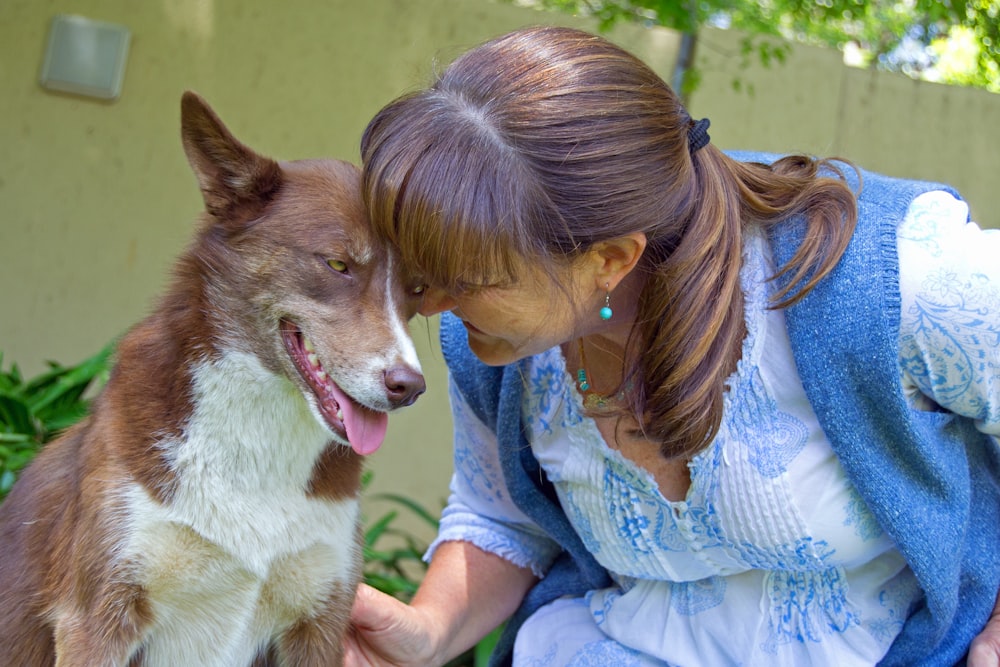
[478, 474]
[773, 438]
[699, 525]
[601, 615]
[666, 533]
[692, 597]
[803, 555]
[950, 348]
[542, 661]
[581, 523]
[805, 606]
[548, 396]
[896, 598]
[603, 653]
[545, 383]
[923, 224]
[622, 492]
[858, 515]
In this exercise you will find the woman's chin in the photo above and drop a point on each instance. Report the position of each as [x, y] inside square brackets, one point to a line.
[492, 351]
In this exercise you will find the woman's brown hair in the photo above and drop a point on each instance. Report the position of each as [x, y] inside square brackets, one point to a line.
[540, 143]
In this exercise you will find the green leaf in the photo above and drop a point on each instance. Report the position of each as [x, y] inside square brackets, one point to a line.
[16, 417]
[392, 585]
[411, 505]
[34, 410]
[483, 650]
[60, 381]
[373, 533]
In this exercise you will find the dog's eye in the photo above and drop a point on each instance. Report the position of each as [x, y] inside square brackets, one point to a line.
[419, 289]
[337, 265]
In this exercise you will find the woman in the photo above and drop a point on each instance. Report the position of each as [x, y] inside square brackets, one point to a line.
[709, 409]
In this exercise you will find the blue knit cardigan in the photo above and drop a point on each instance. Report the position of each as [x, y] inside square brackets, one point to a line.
[930, 478]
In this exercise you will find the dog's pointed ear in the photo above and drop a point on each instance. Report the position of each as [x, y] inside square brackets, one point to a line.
[230, 174]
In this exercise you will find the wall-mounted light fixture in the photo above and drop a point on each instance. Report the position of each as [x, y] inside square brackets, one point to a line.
[85, 57]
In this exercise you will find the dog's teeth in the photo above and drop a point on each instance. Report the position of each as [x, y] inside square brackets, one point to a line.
[313, 360]
[308, 345]
[321, 375]
[340, 415]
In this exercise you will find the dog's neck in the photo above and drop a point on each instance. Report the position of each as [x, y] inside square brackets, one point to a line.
[249, 450]
[249, 424]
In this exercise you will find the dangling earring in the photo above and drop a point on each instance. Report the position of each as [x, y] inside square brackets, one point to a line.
[606, 312]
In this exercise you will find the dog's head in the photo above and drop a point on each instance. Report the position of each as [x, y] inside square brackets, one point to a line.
[300, 281]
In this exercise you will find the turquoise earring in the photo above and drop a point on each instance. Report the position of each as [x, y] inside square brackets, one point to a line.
[606, 312]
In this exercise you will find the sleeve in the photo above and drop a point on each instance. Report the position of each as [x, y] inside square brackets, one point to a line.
[480, 509]
[950, 311]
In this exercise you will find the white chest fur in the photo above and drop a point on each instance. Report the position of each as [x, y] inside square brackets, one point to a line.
[241, 549]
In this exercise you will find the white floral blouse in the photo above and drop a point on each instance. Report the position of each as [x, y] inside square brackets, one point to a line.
[773, 558]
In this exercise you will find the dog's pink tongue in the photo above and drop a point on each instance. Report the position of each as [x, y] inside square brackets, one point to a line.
[365, 428]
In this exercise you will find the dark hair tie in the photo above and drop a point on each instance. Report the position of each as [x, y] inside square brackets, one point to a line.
[698, 135]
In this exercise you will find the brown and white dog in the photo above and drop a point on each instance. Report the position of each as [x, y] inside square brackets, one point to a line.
[206, 513]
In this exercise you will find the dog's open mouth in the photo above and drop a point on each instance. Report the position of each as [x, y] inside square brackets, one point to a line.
[362, 427]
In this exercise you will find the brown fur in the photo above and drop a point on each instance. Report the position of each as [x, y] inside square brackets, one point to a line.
[74, 587]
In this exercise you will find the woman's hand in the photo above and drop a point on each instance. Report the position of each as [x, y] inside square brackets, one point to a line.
[985, 649]
[465, 593]
[386, 632]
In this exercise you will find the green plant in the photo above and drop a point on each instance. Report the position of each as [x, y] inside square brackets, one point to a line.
[393, 556]
[35, 410]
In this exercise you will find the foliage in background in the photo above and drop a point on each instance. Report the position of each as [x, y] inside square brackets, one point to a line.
[35, 410]
[394, 557]
[951, 41]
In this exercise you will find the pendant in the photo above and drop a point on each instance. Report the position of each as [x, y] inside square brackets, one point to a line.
[596, 401]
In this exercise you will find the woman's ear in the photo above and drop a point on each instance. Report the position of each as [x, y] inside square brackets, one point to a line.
[615, 258]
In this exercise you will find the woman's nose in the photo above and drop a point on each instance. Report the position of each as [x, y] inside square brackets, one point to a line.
[435, 301]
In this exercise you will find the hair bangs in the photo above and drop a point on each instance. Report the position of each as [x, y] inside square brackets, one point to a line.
[453, 207]
[450, 231]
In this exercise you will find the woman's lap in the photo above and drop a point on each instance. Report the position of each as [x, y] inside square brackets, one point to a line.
[564, 634]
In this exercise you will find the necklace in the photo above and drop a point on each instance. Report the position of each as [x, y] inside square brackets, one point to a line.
[591, 399]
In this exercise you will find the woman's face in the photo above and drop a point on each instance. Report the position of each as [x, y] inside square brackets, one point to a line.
[506, 324]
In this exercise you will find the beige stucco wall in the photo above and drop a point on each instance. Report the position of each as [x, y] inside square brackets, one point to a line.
[882, 121]
[96, 199]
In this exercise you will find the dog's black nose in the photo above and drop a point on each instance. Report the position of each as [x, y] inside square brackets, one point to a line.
[404, 385]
